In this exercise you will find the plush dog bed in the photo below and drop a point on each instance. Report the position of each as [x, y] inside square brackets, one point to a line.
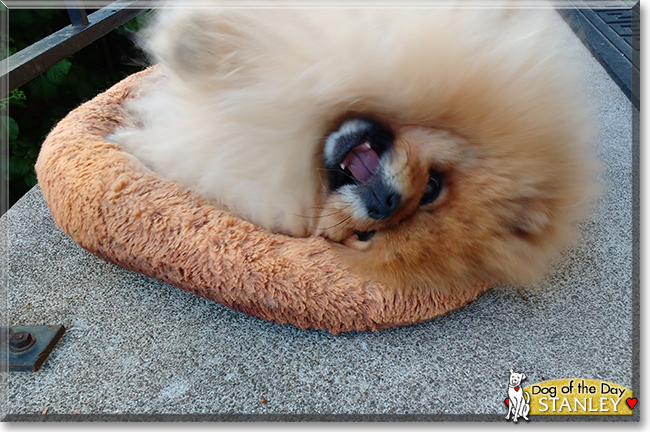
[114, 207]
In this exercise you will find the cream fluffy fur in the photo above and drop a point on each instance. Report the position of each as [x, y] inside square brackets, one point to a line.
[244, 99]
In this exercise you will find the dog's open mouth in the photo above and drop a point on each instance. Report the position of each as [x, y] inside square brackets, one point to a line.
[353, 152]
[361, 162]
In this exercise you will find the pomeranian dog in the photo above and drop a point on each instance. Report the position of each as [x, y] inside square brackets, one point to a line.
[433, 147]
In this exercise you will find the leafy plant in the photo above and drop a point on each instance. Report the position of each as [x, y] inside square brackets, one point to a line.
[14, 95]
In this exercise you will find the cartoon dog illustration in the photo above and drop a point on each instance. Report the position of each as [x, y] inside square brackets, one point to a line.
[517, 406]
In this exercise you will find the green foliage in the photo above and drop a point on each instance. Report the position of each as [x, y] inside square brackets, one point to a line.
[15, 95]
[29, 113]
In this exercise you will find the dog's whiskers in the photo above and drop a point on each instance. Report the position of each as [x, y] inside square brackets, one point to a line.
[344, 173]
[338, 224]
[319, 216]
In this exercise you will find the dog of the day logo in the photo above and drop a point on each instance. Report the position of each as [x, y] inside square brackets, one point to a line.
[518, 405]
[568, 396]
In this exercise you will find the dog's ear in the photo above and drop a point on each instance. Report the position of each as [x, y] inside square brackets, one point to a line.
[523, 376]
[532, 219]
[512, 371]
[206, 46]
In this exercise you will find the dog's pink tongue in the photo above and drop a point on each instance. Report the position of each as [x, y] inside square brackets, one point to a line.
[362, 161]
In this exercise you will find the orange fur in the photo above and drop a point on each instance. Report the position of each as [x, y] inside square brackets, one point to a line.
[499, 218]
[487, 98]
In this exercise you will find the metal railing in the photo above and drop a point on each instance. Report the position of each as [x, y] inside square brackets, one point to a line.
[84, 29]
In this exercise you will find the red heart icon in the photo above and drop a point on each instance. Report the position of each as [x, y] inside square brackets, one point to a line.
[631, 402]
[517, 388]
[508, 402]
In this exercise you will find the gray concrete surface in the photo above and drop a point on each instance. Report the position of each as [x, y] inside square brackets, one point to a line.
[137, 346]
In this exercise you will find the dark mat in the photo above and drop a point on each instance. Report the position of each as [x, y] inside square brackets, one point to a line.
[613, 37]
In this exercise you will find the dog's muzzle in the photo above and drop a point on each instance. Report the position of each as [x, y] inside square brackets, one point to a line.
[381, 200]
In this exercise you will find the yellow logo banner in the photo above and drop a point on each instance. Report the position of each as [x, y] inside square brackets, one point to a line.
[579, 396]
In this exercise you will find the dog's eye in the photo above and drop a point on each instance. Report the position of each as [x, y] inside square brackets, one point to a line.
[433, 188]
[365, 235]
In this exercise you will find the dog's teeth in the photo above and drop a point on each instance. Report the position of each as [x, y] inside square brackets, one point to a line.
[342, 166]
[367, 145]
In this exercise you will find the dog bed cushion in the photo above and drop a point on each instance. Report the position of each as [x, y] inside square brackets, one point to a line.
[114, 207]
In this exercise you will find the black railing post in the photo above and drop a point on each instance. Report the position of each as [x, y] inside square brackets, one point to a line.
[38, 57]
[77, 13]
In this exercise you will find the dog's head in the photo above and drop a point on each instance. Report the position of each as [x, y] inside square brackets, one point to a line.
[516, 378]
[416, 205]
[375, 179]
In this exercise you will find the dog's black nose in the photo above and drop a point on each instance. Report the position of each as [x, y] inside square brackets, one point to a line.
[381, 201]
